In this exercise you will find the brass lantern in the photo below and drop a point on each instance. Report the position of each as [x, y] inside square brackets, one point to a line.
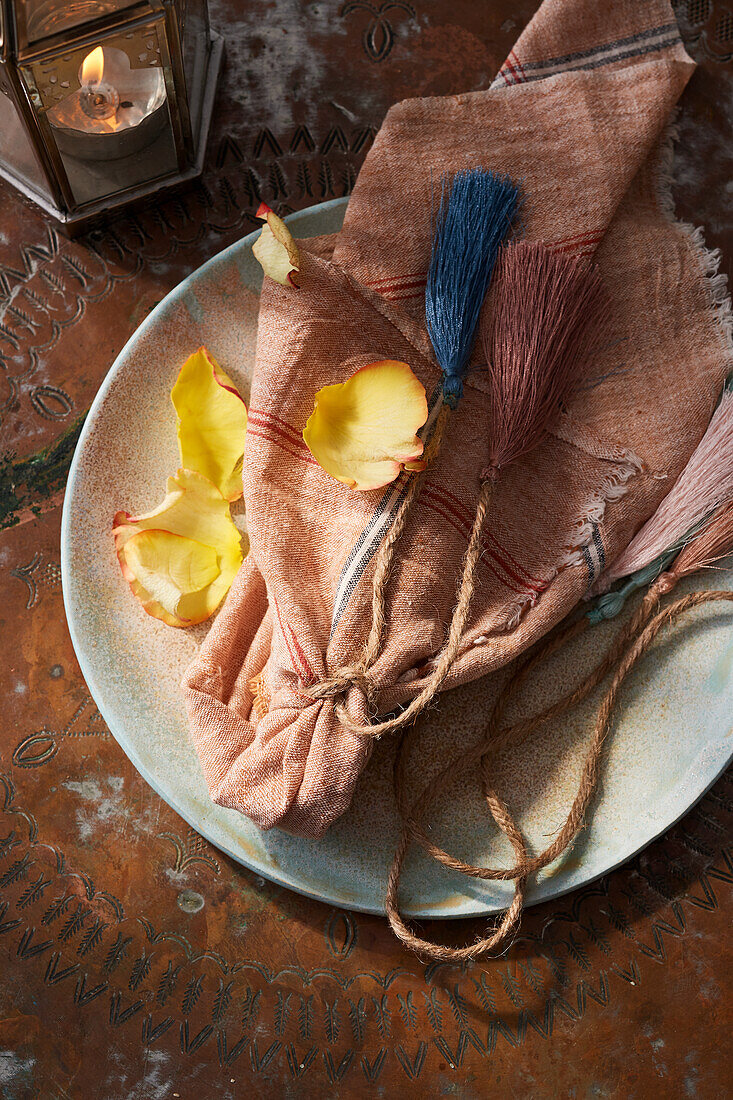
[103, 102]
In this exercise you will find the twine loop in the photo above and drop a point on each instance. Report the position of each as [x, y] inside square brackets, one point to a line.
[338, 685]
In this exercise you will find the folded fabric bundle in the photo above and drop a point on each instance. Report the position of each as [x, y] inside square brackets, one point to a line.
[579, 114]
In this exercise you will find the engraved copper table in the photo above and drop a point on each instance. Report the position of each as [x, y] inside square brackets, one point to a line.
[137, 961]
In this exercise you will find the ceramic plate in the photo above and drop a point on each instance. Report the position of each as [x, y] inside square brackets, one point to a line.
[670, 741]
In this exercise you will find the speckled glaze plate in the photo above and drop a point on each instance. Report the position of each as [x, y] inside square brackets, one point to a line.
[671, 739]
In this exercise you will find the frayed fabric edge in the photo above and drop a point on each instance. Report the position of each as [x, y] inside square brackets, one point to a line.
[716, 284]
[612, 489]
[720, 305]
[710, 258]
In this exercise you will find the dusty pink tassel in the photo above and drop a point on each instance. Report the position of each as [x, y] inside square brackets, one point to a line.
[544, 322]
[714, 542]
[705, 483]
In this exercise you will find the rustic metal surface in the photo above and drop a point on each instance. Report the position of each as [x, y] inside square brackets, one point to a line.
[137, 961]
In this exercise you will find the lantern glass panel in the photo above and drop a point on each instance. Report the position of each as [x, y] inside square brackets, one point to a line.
[193, 28]
[40, 19]
[105, 111]
[16, 150]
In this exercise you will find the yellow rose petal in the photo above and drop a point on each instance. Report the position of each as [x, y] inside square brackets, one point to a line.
[182, 572]
[170, 567]
[362, 431]
[212, 422]
[275, 249]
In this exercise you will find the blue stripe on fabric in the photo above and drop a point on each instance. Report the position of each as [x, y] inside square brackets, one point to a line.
[589, 564]
[654, 48]
[607, 47]
[598, 543]
[377, 518]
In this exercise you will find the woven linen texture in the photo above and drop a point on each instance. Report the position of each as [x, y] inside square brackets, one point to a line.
[579, 114]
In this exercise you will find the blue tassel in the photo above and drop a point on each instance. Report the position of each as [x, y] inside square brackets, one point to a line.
[475, 215]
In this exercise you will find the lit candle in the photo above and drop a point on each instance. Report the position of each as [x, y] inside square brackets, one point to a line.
[98, 99]
[116, 111]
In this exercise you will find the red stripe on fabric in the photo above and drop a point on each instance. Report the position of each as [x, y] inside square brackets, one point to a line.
[297, 443]
[267, 415]
[519, 66]
[282, 426]
[580, 236]
[527, 577]
[298, 671]
[304, 457]
[502, 549]
[311, 677]
[461, 513]
[583, 253]
[579, 244]
[510, 68]
[466, 529]
[403, 297]
[513, 69]
[460, 527]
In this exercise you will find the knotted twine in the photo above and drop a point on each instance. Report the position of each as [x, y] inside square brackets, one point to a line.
[475, 215]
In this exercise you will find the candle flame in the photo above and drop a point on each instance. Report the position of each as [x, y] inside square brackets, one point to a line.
[92, 67]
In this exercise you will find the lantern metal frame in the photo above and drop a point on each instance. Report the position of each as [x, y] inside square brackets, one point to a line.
[16, 53]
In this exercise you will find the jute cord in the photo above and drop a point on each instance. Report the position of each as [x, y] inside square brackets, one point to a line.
[337, 685]
[525, 865]
[495, 737]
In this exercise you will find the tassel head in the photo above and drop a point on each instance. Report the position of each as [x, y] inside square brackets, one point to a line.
[475, 214]
[546, 322]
